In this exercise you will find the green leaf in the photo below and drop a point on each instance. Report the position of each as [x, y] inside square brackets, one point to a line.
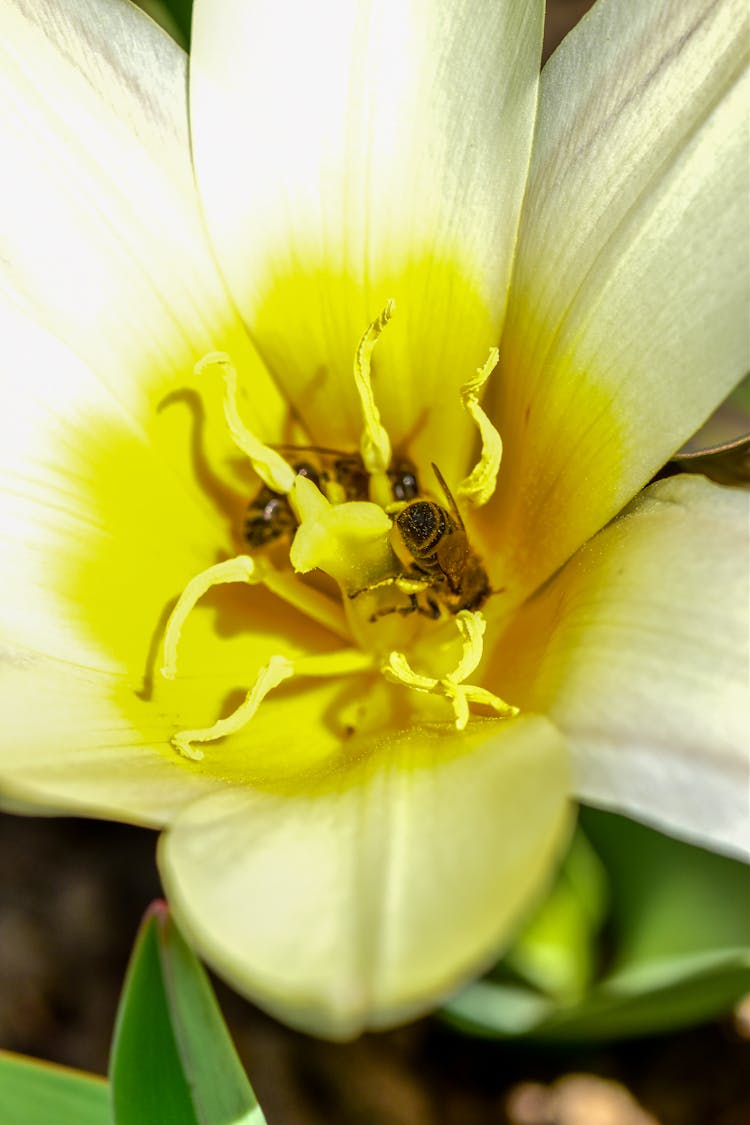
[38, 1093]
[677, 946]
[172, 1057]
[175, 16]
[677, 911]
[556, 951]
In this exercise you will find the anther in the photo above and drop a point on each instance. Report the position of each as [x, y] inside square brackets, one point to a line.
[479, 485]
[239, 569]
[243, 568]
[471, 626]
[270, 466]
[278, 669]
[375, 445]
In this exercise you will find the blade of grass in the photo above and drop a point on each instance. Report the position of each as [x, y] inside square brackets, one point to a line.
[38, 1093]
[172, 1057]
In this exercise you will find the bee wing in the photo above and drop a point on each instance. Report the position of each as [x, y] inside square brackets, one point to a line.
[452, 506]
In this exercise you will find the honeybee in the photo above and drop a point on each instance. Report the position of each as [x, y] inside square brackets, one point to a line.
[269, 515]
[441, 571]
[339, 475]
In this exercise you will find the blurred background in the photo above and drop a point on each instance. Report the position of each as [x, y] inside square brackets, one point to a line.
[545, 1047]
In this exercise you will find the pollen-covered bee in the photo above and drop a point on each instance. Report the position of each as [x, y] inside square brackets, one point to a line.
[441, 571]
[339, 475]
[269, 515]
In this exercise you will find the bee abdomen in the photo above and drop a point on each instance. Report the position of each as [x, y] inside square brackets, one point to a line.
[422, 525]
[268, 517]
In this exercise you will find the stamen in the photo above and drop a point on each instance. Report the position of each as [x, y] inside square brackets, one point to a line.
[400, 671]
[239, 569]
[375, 445]
[243, 568]
[471, 627]
[279, 668]
[478, 487]
[270, 466]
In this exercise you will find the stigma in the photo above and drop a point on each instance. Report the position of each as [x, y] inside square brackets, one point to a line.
[396, 548]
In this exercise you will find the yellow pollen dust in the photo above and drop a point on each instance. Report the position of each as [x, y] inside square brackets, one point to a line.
[351, 542]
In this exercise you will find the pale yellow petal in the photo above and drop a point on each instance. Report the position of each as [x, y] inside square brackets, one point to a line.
[99, 533]
[98, 537]
[639, 649]
[101, 238]
[362, 896]
[627, 323]
[351, 152]
[83, 742]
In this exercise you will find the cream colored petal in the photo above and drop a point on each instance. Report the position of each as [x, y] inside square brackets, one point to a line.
[101, 238]
[79, 741]
[639, 649]
[627, 323]
[97, 539]
[98, 533]
[88, 742]
[364, 896]
[350, 152]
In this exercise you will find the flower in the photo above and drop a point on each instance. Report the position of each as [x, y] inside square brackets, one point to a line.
[348, 856]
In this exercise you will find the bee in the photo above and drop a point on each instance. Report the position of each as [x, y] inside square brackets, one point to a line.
[441, 571]
[339, 475]
[403, 477]
[269, 515]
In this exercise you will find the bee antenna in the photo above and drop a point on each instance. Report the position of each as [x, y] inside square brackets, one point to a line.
[448, 495]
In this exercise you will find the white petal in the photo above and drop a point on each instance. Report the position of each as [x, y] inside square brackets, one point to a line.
[639, 649]
[82, 742]
[98, 533]
[360, 897]
[350, 151]
[628, 317]
[101, 238]
[98, 536]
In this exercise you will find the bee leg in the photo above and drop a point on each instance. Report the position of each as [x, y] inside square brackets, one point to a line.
[404, 610]
[432, 611]
[375, 586]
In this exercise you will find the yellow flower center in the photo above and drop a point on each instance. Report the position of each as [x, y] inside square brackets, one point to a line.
[399, 558]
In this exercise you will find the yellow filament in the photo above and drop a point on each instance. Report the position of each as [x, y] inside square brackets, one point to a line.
[279, 668]
[314, 604]
[471, 626]
[267, 463]
[479, 485]
[375, 445]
